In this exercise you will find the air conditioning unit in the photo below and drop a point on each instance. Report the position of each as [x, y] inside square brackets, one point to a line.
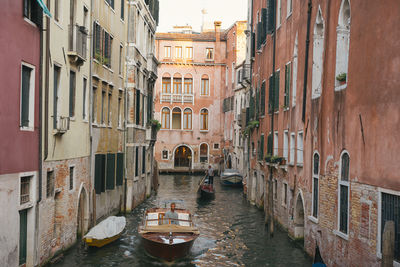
[62, 125]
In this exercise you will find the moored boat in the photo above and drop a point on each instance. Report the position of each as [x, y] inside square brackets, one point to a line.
[167, 238]
[231, 177]
[105, 232]
[207, 191]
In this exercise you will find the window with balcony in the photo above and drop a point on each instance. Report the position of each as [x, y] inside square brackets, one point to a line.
[165, 118]
[205, 84]
[176, 119]
[276, 149]
[204, 120]
[204, 153]
[178, 51]
[285, 144]
[209, 53]
[188, 85]
[187, 119]
[166, 85]
[177, 85]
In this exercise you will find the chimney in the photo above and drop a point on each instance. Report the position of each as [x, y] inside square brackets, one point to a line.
[217, 25]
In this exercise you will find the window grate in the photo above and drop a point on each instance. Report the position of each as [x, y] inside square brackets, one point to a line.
[25, 190]
[390, 211]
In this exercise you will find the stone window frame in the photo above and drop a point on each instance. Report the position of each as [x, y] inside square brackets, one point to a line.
[347, 184]
[315, 176]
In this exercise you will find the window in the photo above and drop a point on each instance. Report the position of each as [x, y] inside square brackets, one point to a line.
[120, 59]
[122, 9]
[204, 120]
[294, 73]
[289, 7]
[56, 86]
[262, 99]
[204, 86]
[72, 90]
[165, 118]
[103, 99]
[143, 160]
[189, 52]
[84, 105]
[300, 148]
[216, 146]
[167, 52]
[261, 148]
[269, 145]
[187, 119]
[119, 110]
[315, 185]
[285, 144]
[165, 154]
[176, 119]
[109, 108]
[71, 178]
[111, 3]
[390, 205]
[138, 108]
[97, 51]
[276, 149]
[274, 92]
[107, 49]
[292, 148]
[284, 193]
[204, 153]
[318, 52]
[27, 97]
[278, 12]
[178, 51]
[100, 173]
[210, 54]
[94, 105]
[188, 85]
[177, 85]
[166, 85]
[344, 193]
[33, 11]
[25, 189]
[50, 184]
[342, 43]
[57, 10]
[288, 70]
[137, 161]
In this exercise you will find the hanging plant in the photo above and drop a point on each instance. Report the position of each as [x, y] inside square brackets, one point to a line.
[341, 77]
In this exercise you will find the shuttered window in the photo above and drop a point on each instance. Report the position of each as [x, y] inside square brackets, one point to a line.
[273, 102]
[269, 145]
[270, 16]
[253, 44]
[270, 94]
[120, 169]
[261, 148]
[99, 173]
[262, 99]
[23, 235]
[257, 96]
[110, 171]
[288, 70]
[276, 91]
[390, 210]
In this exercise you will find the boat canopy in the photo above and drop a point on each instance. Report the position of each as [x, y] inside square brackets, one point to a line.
[231, 172]
[108, 228]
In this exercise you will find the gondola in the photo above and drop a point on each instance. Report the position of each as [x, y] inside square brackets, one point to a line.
[205, 189]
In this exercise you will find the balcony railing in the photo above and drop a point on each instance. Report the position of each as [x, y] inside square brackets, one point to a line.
[246, 72]
[77, 43]
[177, 98]
[152, 63]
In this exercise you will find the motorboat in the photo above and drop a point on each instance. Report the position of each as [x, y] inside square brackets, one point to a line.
[105, 232]
[231, 177]
[167, 238]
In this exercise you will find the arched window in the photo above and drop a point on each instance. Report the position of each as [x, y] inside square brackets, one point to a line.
[205, 85]
[204, 152]
[344, 193]
[315, 185]
[294, 78]
[177, 84]
[318, 52]
[204, 119]
[342, 43]
[166, 85]
[188, 85]
[165, 118]
[176, 118]
[187, 119]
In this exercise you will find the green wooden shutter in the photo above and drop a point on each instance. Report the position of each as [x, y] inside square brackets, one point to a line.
[270, 16]
[99, 173]
[253, 44]
[26, 77]
[264, 15]
[103, 172]
[261, 150]
[287, 84]
[120, 169]
[259, 33]
[270, 100]
[137, 107]
[110, 178]
[23, 234]
[276, 91]
[257, 102]
[144, 159]
[263, 99]
[269, 145]
[137, 161]
[72, 94]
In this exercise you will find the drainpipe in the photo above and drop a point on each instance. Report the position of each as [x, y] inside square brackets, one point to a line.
[90, 115]
[46, 96]
[303, 117]
[271, 202]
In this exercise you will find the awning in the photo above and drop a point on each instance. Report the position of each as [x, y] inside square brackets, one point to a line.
[44, 7]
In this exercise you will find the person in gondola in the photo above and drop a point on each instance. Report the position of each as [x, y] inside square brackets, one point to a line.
[210, 174]
[171, 217]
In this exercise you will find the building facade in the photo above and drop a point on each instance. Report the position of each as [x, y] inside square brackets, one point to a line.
[19, 124]
[188, 99]
[141, 76]
[66, 187]
[322, 160]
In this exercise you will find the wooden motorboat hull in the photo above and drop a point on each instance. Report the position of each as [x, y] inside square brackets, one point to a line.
[168, 252]
[101, 242]
[232, 180]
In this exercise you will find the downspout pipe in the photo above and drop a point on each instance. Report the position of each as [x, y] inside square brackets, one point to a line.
[303, 117]
[90, 115]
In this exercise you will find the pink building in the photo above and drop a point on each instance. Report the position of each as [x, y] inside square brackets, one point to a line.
[188, 99]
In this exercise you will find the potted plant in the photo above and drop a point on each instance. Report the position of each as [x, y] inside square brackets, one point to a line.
[155, 127]
[277, 159]
[342, 78]
[268, 158]
[253, 124]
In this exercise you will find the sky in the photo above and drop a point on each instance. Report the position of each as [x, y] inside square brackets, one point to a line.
[182, 12]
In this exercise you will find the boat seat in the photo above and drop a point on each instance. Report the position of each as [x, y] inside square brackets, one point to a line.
[152, 216]
[183, 216]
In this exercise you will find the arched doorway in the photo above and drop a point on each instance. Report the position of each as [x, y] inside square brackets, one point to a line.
[183, 157]
[229, 162]
[82, 217]
[299, 218]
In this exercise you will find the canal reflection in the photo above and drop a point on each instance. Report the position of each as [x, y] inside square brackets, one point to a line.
[232, 233]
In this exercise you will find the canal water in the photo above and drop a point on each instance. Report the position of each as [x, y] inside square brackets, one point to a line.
[232, 233]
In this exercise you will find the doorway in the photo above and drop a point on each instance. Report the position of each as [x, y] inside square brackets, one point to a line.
[183, 157]
[299, 218]
[82, 218]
